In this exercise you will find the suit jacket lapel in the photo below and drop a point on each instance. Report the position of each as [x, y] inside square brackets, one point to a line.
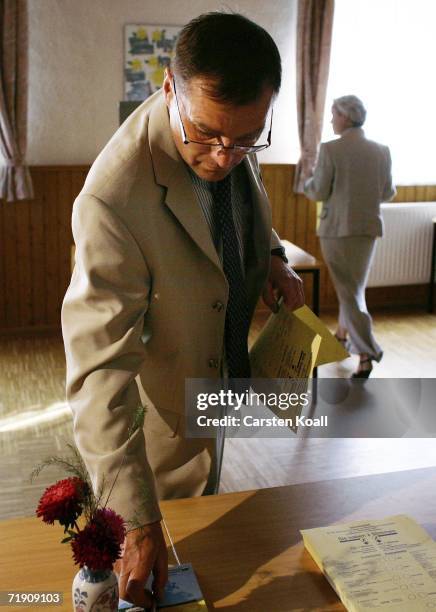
[257, 272]
[171, 172]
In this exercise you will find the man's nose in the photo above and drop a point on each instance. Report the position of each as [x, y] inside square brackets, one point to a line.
[225, 158]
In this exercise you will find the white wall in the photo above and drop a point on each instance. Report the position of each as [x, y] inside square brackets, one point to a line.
[76, 70]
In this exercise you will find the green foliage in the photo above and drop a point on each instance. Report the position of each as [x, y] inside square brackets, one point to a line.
[72, 465]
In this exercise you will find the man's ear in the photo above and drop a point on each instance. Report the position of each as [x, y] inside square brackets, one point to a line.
[167, 86]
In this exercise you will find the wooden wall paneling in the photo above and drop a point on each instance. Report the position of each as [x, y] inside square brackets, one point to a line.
[300, 233]
[420, 193]
[77, 181]
[268, 183]
[278, 180]
[385, 297]
[415, 193]
[410, 192]
[400, 195]
[405, 193]
[290, 207]
[11, 264]
[2, 269]
[65, 202]
[282, 193]
[311, 238]
[51, 228]
[24, 272]
[37, 241]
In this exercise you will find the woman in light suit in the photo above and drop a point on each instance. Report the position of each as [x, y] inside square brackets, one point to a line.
[352, 177]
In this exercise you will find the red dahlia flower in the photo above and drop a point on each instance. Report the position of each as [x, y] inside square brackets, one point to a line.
[98, 545]
[114, 523]
[63, 502]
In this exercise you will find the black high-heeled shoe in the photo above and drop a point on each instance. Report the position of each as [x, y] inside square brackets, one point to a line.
[363, 373]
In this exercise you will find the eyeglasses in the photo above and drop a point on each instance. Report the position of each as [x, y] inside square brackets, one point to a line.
[218, 145]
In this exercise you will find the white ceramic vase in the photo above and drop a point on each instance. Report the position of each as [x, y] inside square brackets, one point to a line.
[95, 591]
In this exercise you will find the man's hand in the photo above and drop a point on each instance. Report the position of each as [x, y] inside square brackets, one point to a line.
[283, 281]
[144, 550]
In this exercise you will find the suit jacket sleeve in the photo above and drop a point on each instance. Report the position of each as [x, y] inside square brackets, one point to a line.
[389, 190]
[102, 321]
[319, 186]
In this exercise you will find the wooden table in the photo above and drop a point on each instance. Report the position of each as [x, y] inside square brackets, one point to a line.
[245, 547]
[432, 268]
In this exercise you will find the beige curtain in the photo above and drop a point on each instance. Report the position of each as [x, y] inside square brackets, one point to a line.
[314, 35]
[15, 181]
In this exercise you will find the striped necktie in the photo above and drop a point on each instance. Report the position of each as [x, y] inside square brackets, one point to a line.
[237, 321]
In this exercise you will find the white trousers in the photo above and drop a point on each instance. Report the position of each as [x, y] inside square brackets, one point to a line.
[349, 260]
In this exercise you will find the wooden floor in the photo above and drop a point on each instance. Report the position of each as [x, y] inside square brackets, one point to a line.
[35, 421]
[408, 340]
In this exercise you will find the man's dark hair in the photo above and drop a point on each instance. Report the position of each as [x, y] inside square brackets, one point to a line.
[239, 56]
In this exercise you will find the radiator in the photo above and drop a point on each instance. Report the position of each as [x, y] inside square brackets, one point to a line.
[403, 255]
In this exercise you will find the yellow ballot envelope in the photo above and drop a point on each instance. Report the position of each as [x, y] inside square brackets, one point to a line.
[291, 344]
[330, 349]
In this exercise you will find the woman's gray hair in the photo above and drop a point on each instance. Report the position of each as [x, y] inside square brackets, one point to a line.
[351, 107]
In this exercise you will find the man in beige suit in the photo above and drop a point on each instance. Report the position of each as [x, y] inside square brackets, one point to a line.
[352, 177]
[149, 301]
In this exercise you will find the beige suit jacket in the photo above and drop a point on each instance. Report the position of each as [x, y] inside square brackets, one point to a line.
[140, 313]
[352, 177]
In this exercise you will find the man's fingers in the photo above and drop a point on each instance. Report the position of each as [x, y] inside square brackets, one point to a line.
[293, 291]
[122, 584]
[137, 594]
[117, 566]
[137, 577]
[160, 572]
[294, 300]
[269, 297]
[142, 548]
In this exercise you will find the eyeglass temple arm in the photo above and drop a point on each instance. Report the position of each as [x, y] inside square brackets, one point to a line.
[182, 127]
[270, 127]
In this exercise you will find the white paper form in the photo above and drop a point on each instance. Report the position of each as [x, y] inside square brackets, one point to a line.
[387, 564]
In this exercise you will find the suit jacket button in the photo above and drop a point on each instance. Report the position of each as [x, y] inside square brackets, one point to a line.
[218, 306]
[213, 363]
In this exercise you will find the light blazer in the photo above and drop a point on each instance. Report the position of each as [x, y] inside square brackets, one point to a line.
[352, 177]
[140, 313]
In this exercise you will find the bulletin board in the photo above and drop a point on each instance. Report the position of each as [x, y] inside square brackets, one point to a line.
[148, 50]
